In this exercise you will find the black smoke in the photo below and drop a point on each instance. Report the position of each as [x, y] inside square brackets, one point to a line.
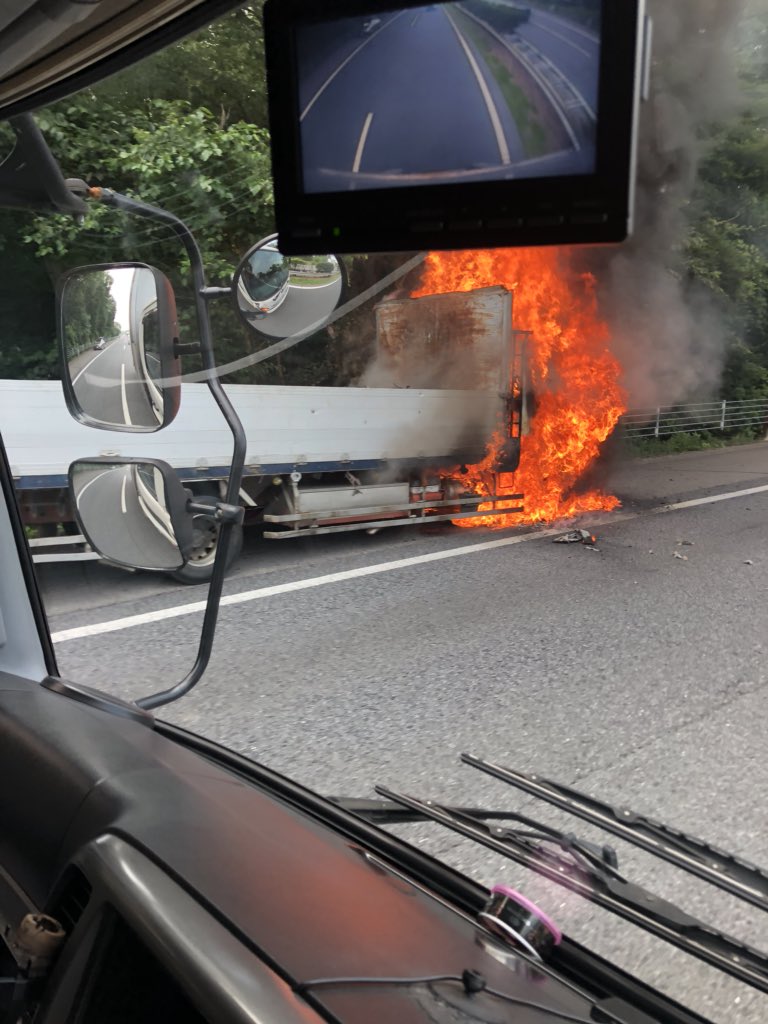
[668, 337]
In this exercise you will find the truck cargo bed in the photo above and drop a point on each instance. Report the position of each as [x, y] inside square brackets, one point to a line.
[306, 428]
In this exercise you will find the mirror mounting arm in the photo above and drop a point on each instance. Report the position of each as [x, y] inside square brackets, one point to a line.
[216, 292]
[221, 511]
[185, 348]
[185, 236]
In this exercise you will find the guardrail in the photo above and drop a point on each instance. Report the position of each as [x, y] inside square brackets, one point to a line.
[664, 421]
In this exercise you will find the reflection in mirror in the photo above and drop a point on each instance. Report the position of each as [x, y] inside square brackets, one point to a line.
[117, 326]
[281, 296]
[132, 512]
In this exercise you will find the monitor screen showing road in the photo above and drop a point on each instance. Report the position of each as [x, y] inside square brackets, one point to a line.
[479, 90]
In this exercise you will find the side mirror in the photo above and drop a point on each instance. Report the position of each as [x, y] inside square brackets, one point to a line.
[280, 296]
[132, 511]
[117, 332]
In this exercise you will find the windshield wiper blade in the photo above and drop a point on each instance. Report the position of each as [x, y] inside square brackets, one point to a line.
[389, 812]
[719, 867]
[386, 812]
[603, 885]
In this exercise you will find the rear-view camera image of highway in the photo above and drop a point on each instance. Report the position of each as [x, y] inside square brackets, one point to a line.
[452, 92]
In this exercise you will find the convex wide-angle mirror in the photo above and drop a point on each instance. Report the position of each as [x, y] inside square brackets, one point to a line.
[132, 511]
[118, 333]
[281, 296]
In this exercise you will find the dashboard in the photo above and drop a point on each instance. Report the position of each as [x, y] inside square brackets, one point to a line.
[188, 892]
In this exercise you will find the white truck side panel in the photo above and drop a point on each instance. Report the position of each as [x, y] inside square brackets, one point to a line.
[285, 426]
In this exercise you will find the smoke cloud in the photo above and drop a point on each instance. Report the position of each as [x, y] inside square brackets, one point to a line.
[667, 337]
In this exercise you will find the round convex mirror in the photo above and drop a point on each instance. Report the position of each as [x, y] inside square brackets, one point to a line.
[281, 296]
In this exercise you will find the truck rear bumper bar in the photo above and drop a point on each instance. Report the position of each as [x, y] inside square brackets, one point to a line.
[302, 524]
[84, 553]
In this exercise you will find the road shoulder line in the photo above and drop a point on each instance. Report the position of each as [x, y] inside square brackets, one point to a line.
[161, 614]
[490, 106]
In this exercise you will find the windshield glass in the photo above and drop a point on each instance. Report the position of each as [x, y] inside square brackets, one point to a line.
[510, 502]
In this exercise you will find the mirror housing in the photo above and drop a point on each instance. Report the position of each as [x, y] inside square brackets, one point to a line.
[133, 512]
[125, 314]
[282, 296]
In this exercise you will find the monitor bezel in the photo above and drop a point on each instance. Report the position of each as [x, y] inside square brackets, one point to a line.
[564, 209]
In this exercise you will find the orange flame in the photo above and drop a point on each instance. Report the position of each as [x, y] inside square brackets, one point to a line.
[574, 378]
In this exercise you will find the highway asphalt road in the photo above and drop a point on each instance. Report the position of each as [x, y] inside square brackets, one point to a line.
[123, 513]
[435, 85]
[637, 672]
[108, 388]
[302, 307]
[443, 113]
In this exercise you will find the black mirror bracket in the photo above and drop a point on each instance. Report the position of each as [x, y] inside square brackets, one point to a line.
[185, 348]
[221, 512]
[216, 292]
[234, 483]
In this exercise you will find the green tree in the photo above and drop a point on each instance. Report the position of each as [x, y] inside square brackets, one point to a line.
[88, 311]
[197, 147]
[726, 253]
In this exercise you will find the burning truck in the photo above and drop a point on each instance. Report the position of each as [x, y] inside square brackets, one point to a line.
[573, 381]
[438, 438]
[467, 418]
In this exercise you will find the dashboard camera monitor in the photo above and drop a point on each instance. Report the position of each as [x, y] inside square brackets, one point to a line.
[446, 125]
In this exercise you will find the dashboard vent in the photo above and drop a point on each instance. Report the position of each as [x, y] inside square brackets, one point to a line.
[71, 900]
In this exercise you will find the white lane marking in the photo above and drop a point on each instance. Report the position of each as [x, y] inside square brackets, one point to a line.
[124, 396]
[344, 63]
[161, 614]
[123, 508]
[361, 143]
[93, 480]
[713, 499]
[564, 39]
[535, 74]
[87, 365]
[493, 113]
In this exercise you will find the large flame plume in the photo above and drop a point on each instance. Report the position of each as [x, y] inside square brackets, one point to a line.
[574, 377]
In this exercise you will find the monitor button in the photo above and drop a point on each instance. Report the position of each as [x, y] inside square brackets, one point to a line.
[589, 218]
[470, 224]
[504, 223]
[422, 226]
[546, 220]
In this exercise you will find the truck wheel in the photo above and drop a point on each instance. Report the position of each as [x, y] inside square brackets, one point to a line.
[205, 544]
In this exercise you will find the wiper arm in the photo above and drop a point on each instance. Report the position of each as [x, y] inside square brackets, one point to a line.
[723, 869]
[389, 812]
[386, 812]
[602, 884]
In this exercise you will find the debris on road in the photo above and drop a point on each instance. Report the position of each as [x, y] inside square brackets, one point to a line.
[748, 561]
[685, 544]
[683, 558]
[576, 537]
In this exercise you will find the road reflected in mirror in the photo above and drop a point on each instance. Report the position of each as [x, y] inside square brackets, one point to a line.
[281, 296]
[125, 512]
[111, 334]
